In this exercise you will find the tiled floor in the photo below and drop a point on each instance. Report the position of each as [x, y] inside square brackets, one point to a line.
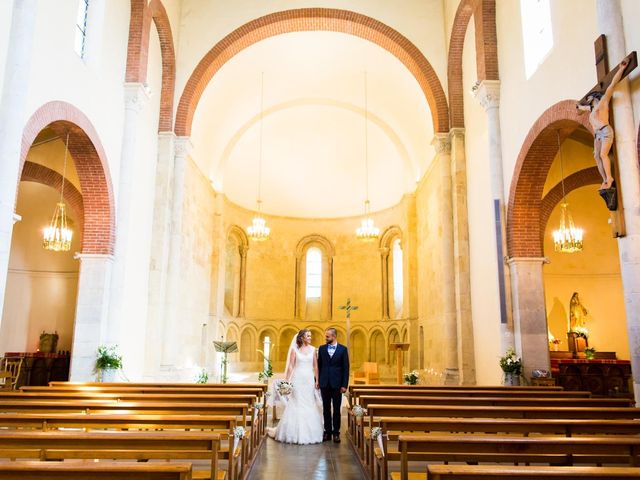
[326, 461]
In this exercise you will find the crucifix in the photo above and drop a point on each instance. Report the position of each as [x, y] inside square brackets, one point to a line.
[349, 308]
[596, 101]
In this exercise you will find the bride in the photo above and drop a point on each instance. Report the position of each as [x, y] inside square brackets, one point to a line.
[301, 422]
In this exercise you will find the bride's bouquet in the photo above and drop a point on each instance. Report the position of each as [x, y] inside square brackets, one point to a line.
[284, 388]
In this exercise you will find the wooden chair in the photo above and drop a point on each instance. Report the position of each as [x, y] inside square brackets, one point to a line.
[368, 375]
[11, 368]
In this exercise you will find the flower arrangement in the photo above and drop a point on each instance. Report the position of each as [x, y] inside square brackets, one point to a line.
[284, 388]
[239, 432]
[267, 373]
[108, 358]
[375, 433]
[203, 377]
[510, 363]
[411, 378]
[581, 332]
[358, 411]
[590, 353]
[258, 405]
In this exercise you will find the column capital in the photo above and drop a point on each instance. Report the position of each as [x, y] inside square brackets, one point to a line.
[456, 132]
[441, 143]
[487, 92]
[524, 260]
[136, 95]
[93, 256]
[183, 146]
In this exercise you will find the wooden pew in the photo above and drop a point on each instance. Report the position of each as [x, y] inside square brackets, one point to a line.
[94, 471]
[523, 412]
[63, 445]
[455, 388]
[393, 427]
[157, 384]
[490, 472]
[223, 425]
[365, 400]
[499, 448]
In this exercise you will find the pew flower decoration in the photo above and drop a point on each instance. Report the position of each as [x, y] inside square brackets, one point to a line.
[284, 388]
[375, 433]
[358, 411]
[411, 378]
[510, 363]
[258, 405]
[581, 332]
[239, 432]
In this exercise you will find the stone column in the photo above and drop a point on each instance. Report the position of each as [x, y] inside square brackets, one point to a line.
[159, 258]
[529, 314]
[488, 94]
[13, 115]
[124, 330]
[384, 257]
[610, 23]
[461, 255]
[92, 307]
[243, 280]
[442, 145]
[170, 341]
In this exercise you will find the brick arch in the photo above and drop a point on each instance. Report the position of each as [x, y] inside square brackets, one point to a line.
[91, 164]
[484, 15]
[313, 19]
[34, 172]
[579, 179]
[138, 53]
[536, 156]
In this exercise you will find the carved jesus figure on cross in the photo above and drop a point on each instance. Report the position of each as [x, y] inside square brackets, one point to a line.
[348, 308]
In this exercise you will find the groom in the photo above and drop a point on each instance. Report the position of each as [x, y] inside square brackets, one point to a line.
[333, 370]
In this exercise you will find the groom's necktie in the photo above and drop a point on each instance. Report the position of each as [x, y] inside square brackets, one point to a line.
[331, 349]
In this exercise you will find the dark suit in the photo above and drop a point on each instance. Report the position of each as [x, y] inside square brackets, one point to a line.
[334, 375]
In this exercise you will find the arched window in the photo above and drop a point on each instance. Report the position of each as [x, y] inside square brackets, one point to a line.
[398, 278]
[391, 255]
[235, 271]
[314, 279]
[314, 273]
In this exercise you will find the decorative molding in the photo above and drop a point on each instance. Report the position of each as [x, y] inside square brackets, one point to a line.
[441, 143]
[136, 96]
[487, 92]
[516, 260]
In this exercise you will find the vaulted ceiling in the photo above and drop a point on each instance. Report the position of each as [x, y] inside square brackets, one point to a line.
[313, 155]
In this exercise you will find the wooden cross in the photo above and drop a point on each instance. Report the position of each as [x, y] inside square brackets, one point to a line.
[604, 80]
[349, 308]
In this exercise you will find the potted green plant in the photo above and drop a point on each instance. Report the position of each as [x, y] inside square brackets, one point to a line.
[203, 377]
[108, 362]
[511, 367]
[590, 353]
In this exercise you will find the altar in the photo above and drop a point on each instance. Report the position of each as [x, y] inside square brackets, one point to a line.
[601, 376]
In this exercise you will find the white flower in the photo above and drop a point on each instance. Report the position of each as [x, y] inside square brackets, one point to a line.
[239, 432]
[358, 411]
[376, 432]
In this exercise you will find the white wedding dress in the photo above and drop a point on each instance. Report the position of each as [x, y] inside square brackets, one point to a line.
[301, 422]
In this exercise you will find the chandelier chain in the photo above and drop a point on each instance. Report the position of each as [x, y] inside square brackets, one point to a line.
[366, 137]
[564, 196]
[260, 139]
[64, 167]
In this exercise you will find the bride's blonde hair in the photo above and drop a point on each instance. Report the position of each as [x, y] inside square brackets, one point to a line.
[300, 337]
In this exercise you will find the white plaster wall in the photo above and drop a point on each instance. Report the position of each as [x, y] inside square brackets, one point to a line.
[567, 73]
[485, 296]
[93, 85]
[6, 10]
[630, 15]
[41, 285]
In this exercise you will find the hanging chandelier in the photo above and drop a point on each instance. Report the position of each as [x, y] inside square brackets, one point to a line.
[57, 236]
[567, 238]
[367, 231]
[258, 230]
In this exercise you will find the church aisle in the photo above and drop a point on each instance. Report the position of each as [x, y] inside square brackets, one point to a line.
[327, 461]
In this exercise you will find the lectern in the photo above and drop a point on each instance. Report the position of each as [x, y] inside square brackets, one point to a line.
[399, 348]
[225, 348]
